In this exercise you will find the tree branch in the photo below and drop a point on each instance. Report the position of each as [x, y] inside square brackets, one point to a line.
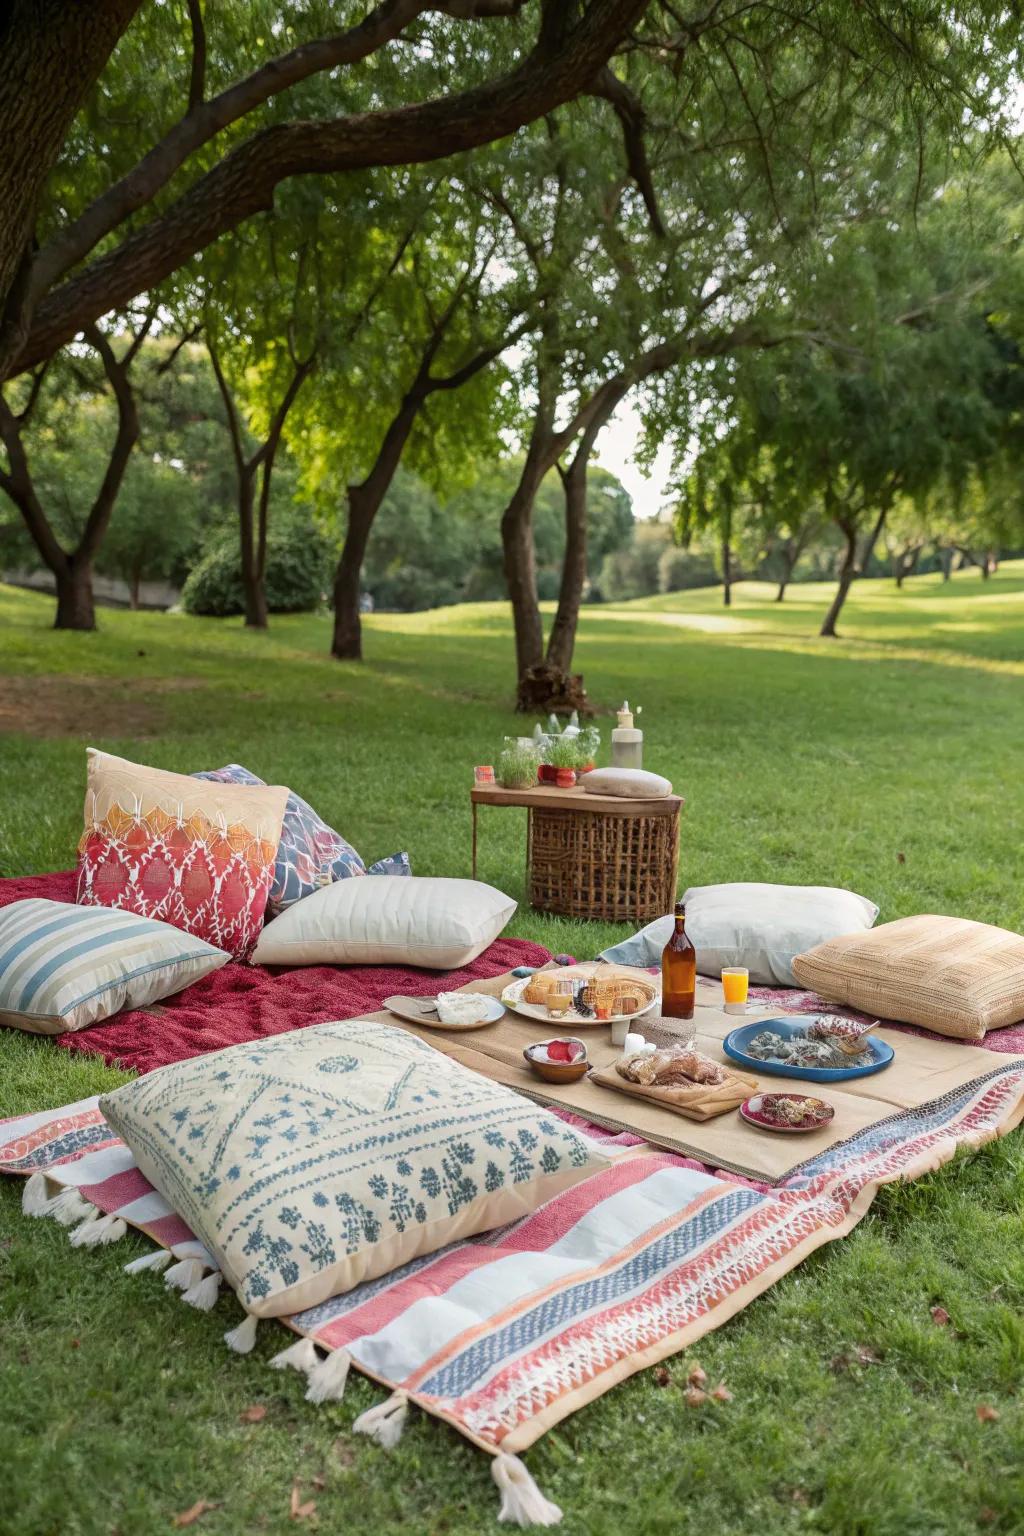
[244, 181]
[124, 441]
[631, 115]
[197, 74]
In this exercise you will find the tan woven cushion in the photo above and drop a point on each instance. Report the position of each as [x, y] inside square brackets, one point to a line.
[945, 973]
[627, 783]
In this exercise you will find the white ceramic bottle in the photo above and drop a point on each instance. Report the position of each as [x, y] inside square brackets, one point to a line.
[627, 741]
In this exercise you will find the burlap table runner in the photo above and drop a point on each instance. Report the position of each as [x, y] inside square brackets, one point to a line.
[923, 1070]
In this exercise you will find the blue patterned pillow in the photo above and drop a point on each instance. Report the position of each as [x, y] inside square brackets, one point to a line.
[327, 1156]
[311, 854]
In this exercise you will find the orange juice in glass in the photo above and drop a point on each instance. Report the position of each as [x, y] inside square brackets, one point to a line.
[735, 981]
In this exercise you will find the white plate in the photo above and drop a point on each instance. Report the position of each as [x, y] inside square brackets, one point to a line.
[512, 998]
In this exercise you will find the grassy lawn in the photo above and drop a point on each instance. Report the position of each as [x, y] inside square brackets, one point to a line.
[888, 761]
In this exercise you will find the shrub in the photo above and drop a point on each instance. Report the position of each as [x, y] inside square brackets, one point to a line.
[298, 570]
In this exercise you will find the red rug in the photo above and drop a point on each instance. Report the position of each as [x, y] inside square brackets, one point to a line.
[248, 1002]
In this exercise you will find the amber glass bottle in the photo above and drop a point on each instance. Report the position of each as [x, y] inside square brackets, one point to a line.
[678, 971]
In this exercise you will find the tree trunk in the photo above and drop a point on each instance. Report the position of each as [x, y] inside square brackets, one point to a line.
[254, 597]
[726, 572]
[521, 571]
[551, 686]
[75, 608]
[846, 576]
[51, 51]
[133, 591]
[783, 584]
[347, 641]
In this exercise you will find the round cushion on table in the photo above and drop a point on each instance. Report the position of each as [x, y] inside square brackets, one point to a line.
[627, 783]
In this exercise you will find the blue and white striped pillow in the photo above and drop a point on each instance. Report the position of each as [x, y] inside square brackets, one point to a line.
[64, 967]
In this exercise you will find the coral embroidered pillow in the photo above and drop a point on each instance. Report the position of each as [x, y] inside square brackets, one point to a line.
[64, 967]
[331, 1155]
[310, 854]
[163, 845]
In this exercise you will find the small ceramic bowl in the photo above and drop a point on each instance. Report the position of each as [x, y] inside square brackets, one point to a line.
[557, 1071]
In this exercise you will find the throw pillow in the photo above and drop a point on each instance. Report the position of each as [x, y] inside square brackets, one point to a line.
[949, 974]
[163, 845]
[310, 854]
[752, 924]
[626, 783]
[64, 967]
[331, 1155]
[437, 923]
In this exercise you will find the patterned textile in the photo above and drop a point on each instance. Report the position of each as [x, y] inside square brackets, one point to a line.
[160, 845]
[319, 1159]
[507, 1334]
[63, 967]
[310, 853]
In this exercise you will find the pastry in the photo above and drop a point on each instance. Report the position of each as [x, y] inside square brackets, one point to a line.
[671, 1067]
[537, 989]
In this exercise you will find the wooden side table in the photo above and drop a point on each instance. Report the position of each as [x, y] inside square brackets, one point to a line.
[594, 856]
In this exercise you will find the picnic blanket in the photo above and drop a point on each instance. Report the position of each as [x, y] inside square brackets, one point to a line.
[249, 1002]
[506, 1334]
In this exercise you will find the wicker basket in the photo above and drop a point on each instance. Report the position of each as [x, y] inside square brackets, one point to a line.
[599, 865]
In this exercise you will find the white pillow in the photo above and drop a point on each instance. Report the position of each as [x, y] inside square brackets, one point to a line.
[627, 783]
[63, 967]
[440, 924]
[753, 924]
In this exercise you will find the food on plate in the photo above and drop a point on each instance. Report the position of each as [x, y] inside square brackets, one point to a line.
[804, 1049]
[847, 1036]
[559, 1002]
[672, 1066]
[620, 994]
[537, 988]
[559, 1051]
[462, 1007]
[793, 1110]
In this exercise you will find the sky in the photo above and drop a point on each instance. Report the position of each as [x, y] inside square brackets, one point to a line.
[616, 450]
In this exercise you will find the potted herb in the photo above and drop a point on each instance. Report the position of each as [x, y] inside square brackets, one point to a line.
[517, 766]
[561, 760]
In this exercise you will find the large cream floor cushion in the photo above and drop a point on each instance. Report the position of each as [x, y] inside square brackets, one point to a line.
[437, 923]
[948, 974]
[331, 1155]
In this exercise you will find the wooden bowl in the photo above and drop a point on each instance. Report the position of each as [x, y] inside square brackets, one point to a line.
[557, 1071]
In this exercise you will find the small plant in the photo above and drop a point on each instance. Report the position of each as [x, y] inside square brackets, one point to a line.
[517, 767]
[563, 752]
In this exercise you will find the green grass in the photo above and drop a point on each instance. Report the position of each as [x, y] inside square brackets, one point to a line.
[888, 760]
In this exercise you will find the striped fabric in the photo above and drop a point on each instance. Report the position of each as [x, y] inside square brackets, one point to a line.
[506, 1334]
[63, 967]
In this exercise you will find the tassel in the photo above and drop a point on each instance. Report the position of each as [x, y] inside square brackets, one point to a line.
[301, 1356]
[384, 1422]
[93, 1233]
[35, 1197]
[327, 1378]
[204, 1295]
[69, 1207]
[158, 1259]
[243, 1338]
[184, 1275]
[522, 1502]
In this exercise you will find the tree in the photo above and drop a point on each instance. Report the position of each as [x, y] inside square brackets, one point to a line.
[126, 237]
[72, 568]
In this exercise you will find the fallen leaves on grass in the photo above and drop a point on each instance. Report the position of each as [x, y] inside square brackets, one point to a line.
[697, 1377]
[299, 1510]
[721, 1394]
[344, 1452]
[861, 1355]
[661, 1376]
[254, 1414]
[695, 1397]
[940, 1317]
[189, 1516]
[986, 1413]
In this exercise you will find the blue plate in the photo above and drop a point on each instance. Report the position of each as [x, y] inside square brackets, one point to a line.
[737, 1040]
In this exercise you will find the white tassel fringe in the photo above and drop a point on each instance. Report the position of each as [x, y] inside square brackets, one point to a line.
[203, 1296]
[184, 1275]
[301, 1356]
[522, 1502]
[67, 1206]
[384, 1422]
[328, 1377]
[35, 1197]
[243, 1338]
[158, 1260]
[94, 1232]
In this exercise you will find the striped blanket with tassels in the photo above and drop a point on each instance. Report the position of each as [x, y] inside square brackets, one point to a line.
[504, 1335]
